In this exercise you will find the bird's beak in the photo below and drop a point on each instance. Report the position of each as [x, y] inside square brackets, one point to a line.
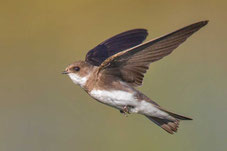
[64, 72]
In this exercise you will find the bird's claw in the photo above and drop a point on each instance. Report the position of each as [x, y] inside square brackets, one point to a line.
[125, 110]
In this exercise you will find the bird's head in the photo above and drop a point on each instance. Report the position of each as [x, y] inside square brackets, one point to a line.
[79, 72]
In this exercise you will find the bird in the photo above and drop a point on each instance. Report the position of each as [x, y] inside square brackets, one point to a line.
[113, 69]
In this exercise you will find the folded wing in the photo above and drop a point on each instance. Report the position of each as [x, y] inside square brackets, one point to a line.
[131, 65]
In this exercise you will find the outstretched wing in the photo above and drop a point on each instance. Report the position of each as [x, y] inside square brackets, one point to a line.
[131, 65]
[115, 44]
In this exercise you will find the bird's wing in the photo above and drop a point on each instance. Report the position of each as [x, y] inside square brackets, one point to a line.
[131, 65]
[115, 44]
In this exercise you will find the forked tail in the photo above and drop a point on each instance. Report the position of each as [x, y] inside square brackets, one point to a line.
[170, 126]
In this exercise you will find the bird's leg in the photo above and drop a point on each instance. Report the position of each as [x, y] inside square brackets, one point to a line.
[122, 112]
[125, 110]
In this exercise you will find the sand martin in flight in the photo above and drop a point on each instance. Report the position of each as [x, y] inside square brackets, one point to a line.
[113, 69]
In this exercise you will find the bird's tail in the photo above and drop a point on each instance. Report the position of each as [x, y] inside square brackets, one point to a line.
[170, 126]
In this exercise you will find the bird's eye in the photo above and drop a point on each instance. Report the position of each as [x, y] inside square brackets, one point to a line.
[76, 68]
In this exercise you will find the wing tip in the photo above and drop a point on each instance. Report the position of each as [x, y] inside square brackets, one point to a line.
[200, 24]
[204, 22]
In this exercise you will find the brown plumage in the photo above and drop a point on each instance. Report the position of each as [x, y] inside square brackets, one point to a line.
[135, 61]
[113, 69]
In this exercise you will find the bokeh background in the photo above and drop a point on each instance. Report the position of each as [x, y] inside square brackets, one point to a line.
[42, 110]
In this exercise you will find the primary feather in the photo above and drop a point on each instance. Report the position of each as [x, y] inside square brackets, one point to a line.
[131, 65]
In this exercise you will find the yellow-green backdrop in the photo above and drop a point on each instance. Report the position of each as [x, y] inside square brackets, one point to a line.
[42, 110]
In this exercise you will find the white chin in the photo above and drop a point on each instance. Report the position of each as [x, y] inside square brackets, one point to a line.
[77, 79]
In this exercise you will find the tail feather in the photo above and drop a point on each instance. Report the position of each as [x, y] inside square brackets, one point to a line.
[170, 126]
[177, 116]
[167, 125]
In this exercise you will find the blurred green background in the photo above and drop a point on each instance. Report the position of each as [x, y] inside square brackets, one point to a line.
[42, 110]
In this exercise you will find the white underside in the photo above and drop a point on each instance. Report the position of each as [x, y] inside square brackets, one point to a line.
[119, 99]
[77, 79]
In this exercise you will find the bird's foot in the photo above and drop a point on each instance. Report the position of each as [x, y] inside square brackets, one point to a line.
[122, 112]
[125, 110]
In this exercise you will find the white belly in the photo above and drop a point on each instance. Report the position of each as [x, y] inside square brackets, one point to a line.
[115, 98]
[119, 99]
